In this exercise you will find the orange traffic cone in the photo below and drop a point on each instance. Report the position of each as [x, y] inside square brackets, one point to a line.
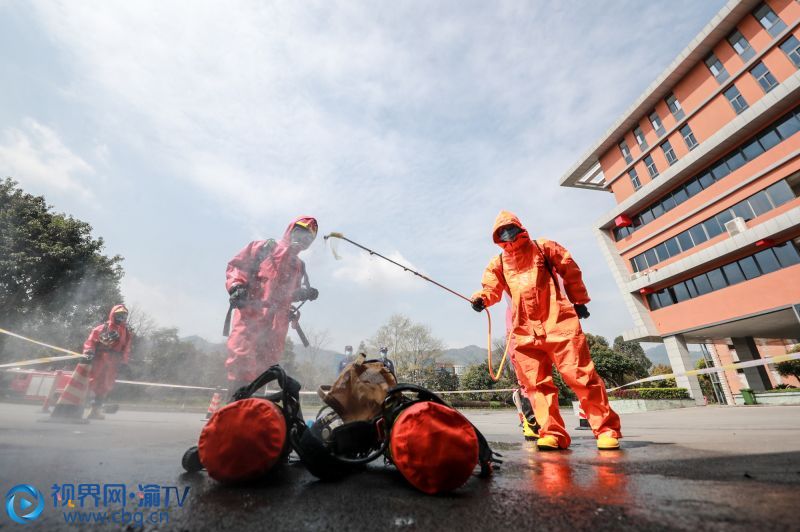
[214, 405]
[583, 421]
[53, 393]
[70, 404]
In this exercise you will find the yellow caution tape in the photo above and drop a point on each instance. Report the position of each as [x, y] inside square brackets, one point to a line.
[716, 369]
[70, 354]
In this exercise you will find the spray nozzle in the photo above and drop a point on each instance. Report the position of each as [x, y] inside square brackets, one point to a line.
[334, 244]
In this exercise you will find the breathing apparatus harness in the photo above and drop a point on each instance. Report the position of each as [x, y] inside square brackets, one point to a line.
[332, 448]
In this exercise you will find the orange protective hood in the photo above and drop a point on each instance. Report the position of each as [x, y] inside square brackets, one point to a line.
[114, 310]
[310, 221]
[509, 218]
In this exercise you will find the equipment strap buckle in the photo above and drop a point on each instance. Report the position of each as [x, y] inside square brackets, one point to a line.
[380, 428]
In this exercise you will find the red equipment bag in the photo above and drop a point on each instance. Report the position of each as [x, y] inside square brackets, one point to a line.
[432, 444]
[245, 439]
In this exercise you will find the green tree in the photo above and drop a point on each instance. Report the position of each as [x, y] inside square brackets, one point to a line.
[437, 379]
[613, 367]
[477, 378]
[55, 282]
[634, 351]
[663, 369]
[596, 341]
[705, 382]
[789, 368]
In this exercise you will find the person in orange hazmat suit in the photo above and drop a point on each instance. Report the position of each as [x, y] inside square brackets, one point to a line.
[545, 330]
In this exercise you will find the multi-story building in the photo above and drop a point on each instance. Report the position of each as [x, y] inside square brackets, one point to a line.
[705, 170]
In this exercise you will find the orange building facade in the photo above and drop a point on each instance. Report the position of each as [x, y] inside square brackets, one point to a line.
[704, 242]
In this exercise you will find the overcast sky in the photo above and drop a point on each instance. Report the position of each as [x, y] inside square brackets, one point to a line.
[183, 130]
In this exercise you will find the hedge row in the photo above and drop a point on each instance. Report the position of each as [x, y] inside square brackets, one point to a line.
[651, 393]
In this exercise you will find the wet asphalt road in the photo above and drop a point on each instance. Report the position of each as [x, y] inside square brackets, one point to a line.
[711, 468]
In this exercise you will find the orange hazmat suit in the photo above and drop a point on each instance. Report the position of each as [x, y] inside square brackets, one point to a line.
[545, 328]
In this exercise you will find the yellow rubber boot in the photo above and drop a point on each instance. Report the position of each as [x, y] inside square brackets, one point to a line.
[547, 443]
[607, 442]
[529, 431]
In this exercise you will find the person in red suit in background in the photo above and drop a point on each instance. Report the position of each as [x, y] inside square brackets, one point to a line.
[108, 346]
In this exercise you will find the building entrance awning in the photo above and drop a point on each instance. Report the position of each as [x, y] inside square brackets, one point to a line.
[778, 324]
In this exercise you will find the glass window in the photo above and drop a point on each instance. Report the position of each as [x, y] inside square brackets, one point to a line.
[681, 292]
[702, 283]
[767, 261]
[713, 227]
[706, 180]
[764, 76]
[690, 286]
[716, 67]
[688, 137]
[656, 123]
[716, 279]
[693, 187]
[791, 47]
[652, 301]
[634, 179]
[658, 209]
[719, 171]
[733, 273]
[669, 203]
[680, 195]
[674, 106]
[787, 254]
[685, 241]
[744, 210]
[788, 127]
[665, 298]
[640, 140]
[740, 44]
[698, 234]
[640, 263]
[769, 139]
[672, 247]
[769, 20]
[626, 153]
[650, 257]
[749, 268]
[736, 99]
[780, 193]
[752, 150]
[760, 203]
[647, 217]
[651, 166]
[723, 218]
[735, 160]
[661, 252]
[669, 153]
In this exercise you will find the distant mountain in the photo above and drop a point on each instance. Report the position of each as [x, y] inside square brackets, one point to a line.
[658, 355]
[471, 354]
